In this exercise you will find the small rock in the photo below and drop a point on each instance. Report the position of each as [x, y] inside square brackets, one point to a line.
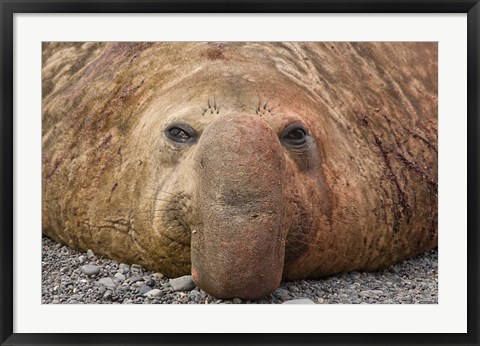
[395, 269]
[107, 282]
[299, 301]
[150, 282]
[398, 280]
[81, 259]
[136, 267]
[281, 294]
[107, 295]
[90, 254]
[139, 284]
[124, 267]
[183, 283]
[370, 293]
[134, 279]
[119, 277]
[153, 293]
[320, 300]
[90, 270]
[237, 301]
[55, 301]
[143, 289]
[158, 276]
[194, 293]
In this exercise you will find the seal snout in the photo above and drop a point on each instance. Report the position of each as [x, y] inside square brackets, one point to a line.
[239, 248]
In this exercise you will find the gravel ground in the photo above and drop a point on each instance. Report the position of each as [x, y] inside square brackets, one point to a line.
[71, 277]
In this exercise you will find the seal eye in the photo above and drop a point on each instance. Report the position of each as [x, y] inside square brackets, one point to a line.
[294, 136]
[181, 133]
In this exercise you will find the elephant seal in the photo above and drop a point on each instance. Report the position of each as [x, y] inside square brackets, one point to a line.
[242, 163]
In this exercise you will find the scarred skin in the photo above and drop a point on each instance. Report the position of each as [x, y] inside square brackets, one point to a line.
[237, 206]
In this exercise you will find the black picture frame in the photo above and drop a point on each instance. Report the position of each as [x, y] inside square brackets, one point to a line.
[9, 7]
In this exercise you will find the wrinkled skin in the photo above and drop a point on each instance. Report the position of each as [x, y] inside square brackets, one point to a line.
[237, 205]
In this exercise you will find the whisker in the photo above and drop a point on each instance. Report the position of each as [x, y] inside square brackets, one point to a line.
[156, 199]
[170, 193]
[199, 162]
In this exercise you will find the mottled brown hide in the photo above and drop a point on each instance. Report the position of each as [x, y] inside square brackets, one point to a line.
[181, 157]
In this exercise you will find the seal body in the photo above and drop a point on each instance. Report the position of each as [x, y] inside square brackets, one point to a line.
[241, 163]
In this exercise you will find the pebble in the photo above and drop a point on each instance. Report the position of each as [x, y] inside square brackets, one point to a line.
[107, 295]
[90, 254]
[90, 269]
[237, 301]
[158, 276]
[81, 259]
[150, 282]
[124, 267]
[119, 277]
[153, 293]
[394, 269]
[136, 267]
[107, 282]
[134, 279]
[194, 293]
[183, 283]
[144, 289]
[138, 283]
[281, 294]
[299, 301]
